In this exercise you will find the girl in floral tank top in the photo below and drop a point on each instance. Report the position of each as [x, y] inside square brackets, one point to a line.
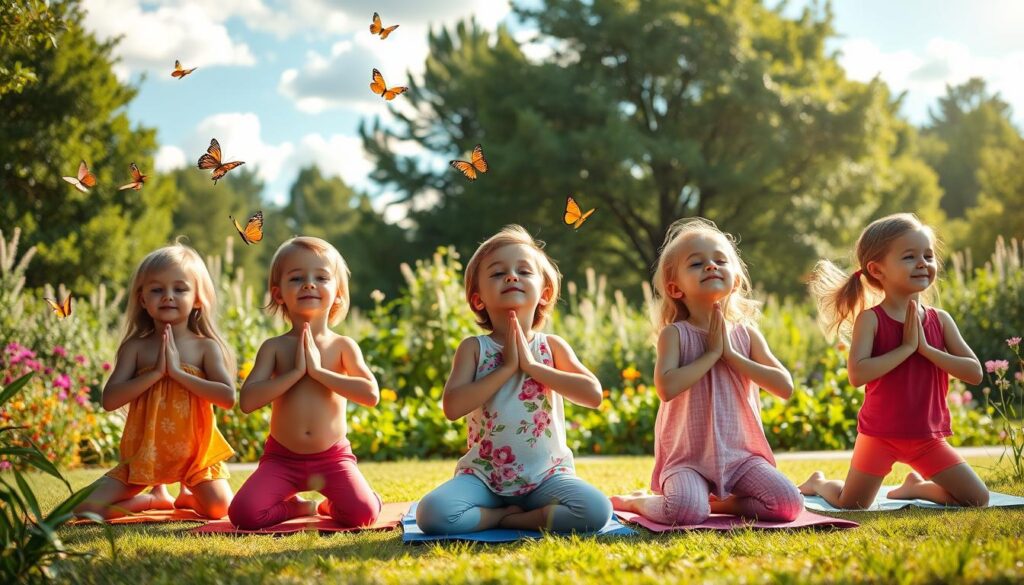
[518, 472]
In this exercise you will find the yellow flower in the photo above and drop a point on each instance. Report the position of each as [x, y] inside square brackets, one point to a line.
[388, 394]
[605, 406]
[630, 374]
[246, 368]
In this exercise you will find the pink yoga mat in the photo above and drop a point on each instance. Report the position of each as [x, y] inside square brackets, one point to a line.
[726, 522]
[149, 517]
[390, 517]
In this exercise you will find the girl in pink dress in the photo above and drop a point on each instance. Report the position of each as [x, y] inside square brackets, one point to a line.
[711, 455]
[905, 353]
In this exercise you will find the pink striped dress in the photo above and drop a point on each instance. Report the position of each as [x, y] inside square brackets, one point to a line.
[714, 428]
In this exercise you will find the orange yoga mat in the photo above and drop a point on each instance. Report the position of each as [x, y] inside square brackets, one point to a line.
[389, 519]
[150, 516]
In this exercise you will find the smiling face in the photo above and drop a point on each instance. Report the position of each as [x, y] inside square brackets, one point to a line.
[909, 265]
[705, 269]
[510, 279]
[308, 286]
[168, 295]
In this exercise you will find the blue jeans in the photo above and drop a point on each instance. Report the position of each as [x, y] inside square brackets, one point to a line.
[454, 506]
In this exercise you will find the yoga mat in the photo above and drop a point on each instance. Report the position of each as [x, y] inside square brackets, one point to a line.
[149, 517]
[727, 522]
[413, 534]
[390, 517]
[883, 504]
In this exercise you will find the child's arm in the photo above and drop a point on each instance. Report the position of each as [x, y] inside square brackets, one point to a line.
[671, 379]
[861, 367]
[762, 366]
[361, 387]
[960, 361]
[567, 376]
[217, 387]
[122, 387]
[262, 387]
[462, 393]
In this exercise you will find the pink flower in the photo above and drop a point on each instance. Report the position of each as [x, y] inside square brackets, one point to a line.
[504, 456]
[5, 465]
[59, 350]
[1019, 376]
[968, 396]
[956, 399]
[106, 366]
[62, 381]
[486, 447]
[82, 399]
[508, 472]
[996, 366]
[1013, 341]
[47, 371]
[62, 395]
[81, 359]
[495, 479]
[531, 388]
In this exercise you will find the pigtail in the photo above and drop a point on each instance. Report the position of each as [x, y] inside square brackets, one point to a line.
[840, 297]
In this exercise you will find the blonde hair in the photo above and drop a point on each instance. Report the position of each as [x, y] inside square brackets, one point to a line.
[841, 296]
[738, 306]
[202, 320]
[322, 249]
[512, 235]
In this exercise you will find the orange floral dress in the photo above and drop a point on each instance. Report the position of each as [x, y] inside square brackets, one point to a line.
[171, 436]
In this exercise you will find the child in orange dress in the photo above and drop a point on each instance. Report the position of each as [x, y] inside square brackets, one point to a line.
[172, 367]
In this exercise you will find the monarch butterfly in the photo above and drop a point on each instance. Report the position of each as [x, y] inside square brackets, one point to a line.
[377, 28]
[179, 71]
[378, 87]
[573, 215]
[211, 160]
[84, 179]
[477, 164]
[253, 231]
[62, 310]
[137, 179]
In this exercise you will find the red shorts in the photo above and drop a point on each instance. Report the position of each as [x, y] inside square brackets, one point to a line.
[876, 455]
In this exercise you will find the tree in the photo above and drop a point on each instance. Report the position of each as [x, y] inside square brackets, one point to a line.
[653, 110]
[1000, 200]
[75, 110]
[967, 121]
[24, 26]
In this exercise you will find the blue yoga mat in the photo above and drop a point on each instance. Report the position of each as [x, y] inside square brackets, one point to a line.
[883, 504]
[411, 533]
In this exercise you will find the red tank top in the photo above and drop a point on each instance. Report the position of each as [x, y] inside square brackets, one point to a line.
[910, 401]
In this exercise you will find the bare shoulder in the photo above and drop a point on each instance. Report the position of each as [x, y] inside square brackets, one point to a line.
[469, 347]
[345, 343]
[668, 332]
[866, 318]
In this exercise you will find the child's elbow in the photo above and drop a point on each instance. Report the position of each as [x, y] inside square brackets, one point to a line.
[109, 405]
[977, 376]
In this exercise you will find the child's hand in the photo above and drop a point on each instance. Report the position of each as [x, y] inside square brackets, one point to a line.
[728, 352]
[911, 327]
[300, 352]
[161, 360]
[715, 335]
[922, 342]
[312, 352]
[510, 353]
[173, 357]
[526, 361]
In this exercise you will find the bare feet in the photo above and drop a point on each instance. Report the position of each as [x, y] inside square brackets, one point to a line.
[185, 500]
[908, 491]
[810, 487]
[323, 508]
[628, 503]
[160, 498]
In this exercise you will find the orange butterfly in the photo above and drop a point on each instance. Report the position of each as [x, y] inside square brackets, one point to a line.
[477, 164]
[574, 216]
[179, 71]
[137, 179]
[84, 179]
[378, 87]
[253, 231]
[211, 160]
[378, 29]
[62, 310]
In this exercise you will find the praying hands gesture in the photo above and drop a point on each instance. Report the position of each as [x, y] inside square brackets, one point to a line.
[169, 361]
[307, 354]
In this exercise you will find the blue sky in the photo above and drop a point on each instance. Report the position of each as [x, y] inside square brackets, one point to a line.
[282, 84]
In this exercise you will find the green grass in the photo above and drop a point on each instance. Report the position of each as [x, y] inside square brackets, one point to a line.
[912, 546]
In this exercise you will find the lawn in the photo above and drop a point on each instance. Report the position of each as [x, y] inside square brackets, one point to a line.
[909, 546]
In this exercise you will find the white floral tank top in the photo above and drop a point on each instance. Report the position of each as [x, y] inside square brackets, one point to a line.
[517, 438]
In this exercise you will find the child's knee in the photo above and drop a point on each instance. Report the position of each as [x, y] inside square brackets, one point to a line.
[246, 516]
[976, 499]
[362, 511]
[431, 517]
[597, 513]
[789, 504]
[687, 511]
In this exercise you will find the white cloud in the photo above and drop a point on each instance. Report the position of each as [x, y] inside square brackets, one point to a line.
[169, 158]
[153, 39]
[925, 74]
[240, 139]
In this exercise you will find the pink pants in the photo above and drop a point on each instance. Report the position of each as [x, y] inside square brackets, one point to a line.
[762, 493]
[265, 498]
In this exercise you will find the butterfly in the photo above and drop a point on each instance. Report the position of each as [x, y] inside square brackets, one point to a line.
[137, 179]
[63, 309]
[84, 179]
[378, 29]
[378, 87]
[573, 215]
[477, 164]
[253, 231]
[211, 160]
[179, 71]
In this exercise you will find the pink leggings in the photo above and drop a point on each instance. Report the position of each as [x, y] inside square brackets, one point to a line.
[265, 498]
[762, 492]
